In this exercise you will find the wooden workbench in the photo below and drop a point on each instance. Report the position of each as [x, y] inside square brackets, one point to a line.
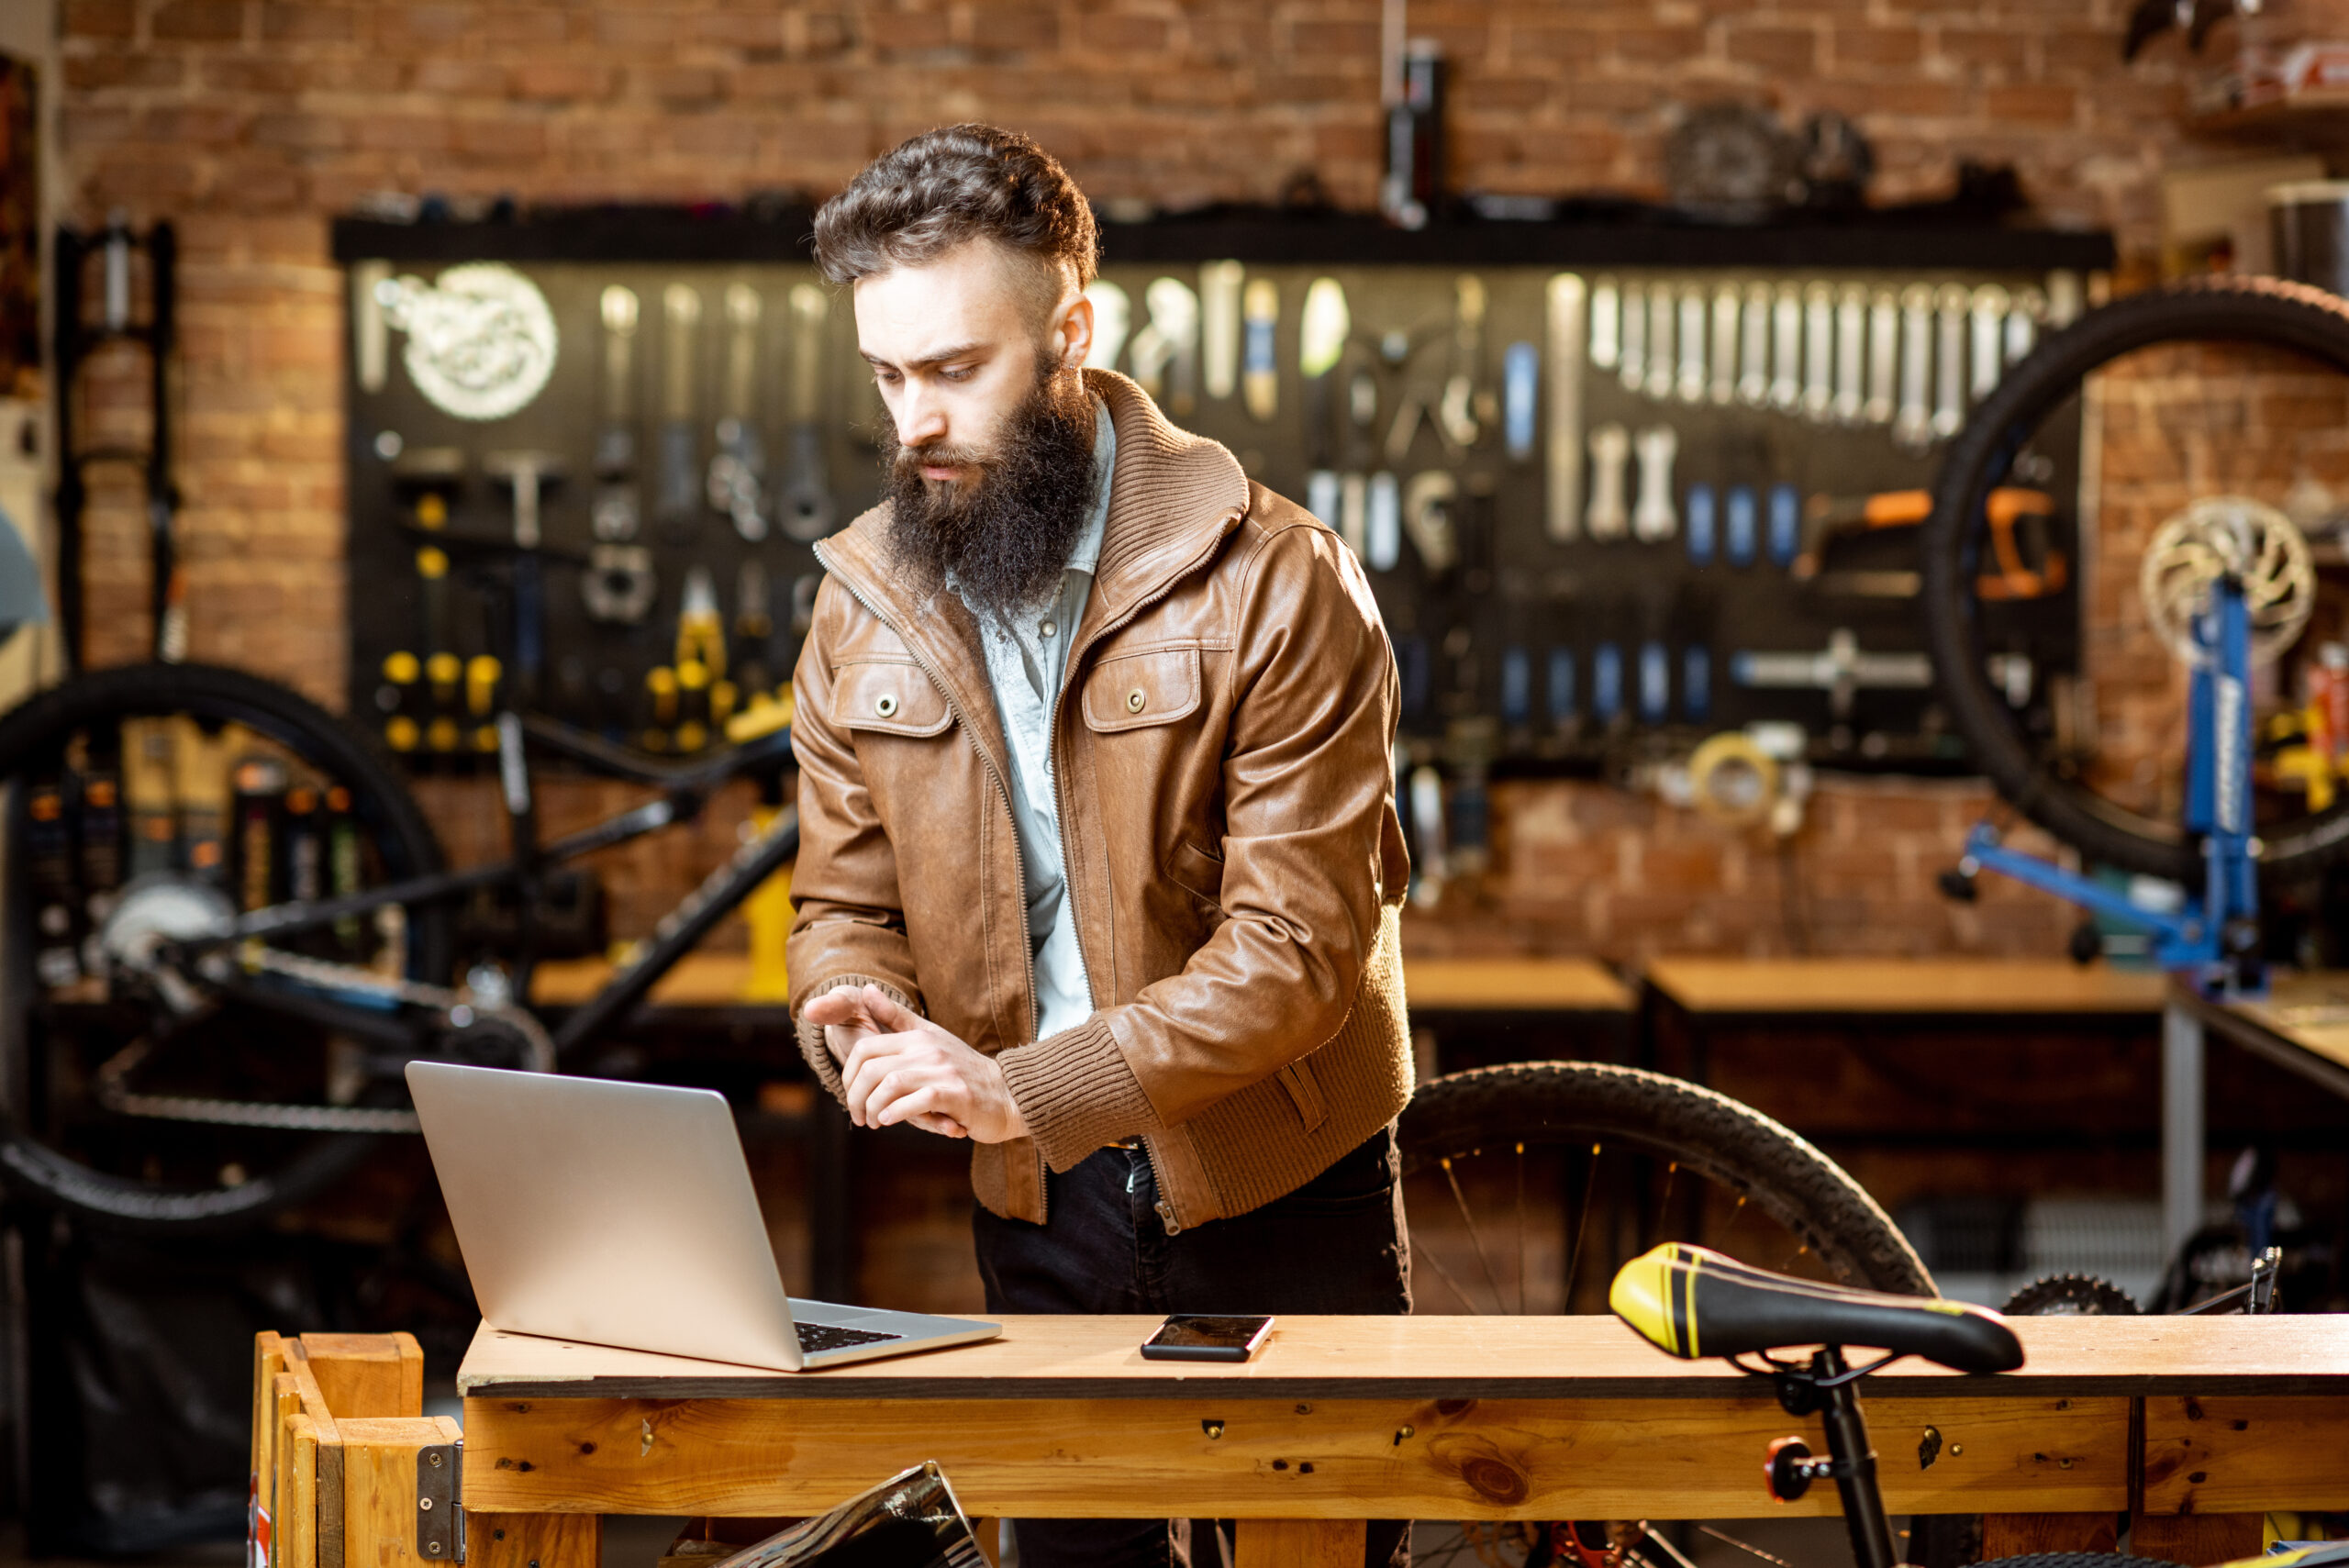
[1902, 985]
[1343, 1419]
[2301, 1025]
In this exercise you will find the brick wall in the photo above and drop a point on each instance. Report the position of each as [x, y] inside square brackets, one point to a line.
[251, 122]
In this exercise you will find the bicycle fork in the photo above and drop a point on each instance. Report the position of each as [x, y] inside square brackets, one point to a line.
[1828, 1388]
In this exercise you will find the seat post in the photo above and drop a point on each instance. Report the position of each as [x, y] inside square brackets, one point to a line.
[1854, 1462]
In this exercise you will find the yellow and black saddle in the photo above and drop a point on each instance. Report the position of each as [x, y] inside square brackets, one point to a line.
[1692, 1302]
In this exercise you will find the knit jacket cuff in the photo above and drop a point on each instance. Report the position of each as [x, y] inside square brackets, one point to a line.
[1076, 1093]
[811, 1036]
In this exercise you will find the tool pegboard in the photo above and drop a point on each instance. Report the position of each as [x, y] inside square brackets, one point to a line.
[1639, 485]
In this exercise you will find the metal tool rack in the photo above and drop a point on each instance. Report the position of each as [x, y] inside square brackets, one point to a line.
[1542, 644]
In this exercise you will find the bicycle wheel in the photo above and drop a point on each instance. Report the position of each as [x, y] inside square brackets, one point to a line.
[2201, 409]
[1528, 1184]
[113, 786]
[1643, 1157]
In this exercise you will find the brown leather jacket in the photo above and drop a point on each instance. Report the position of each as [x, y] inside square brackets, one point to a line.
[1234, 859]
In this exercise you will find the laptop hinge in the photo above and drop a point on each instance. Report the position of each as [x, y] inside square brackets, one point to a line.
[439, 1502]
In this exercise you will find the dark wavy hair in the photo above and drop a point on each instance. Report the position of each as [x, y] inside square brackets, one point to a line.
[959, 182]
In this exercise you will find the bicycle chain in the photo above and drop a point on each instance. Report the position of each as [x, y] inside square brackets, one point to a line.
[451, 1008]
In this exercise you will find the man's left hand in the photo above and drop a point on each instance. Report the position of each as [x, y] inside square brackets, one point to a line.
[919, 1072]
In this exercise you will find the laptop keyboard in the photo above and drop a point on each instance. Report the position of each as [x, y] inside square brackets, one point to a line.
[814, 1337]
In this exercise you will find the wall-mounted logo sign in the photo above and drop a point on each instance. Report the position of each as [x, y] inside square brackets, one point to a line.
[481, 342]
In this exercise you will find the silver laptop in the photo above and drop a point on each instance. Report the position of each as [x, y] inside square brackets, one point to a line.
[622, 1213]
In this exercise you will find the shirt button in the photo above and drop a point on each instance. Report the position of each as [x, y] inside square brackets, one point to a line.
[1134, 699]
[1048, 628]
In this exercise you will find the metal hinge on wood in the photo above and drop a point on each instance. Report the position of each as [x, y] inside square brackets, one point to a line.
[439, 1502]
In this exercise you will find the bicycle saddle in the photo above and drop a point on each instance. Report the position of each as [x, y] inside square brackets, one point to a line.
[1691, 1302]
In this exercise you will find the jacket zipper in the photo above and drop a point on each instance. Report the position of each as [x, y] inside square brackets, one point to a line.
[937, 677]
[1166, 1215]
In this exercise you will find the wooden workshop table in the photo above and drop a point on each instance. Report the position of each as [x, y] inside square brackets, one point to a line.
[2194, 1425]
[2302, 1026]
[1719, 987]
[1688, 1000]
[1470, 1012]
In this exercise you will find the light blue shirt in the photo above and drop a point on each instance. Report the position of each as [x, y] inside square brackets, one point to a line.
[1026, 659]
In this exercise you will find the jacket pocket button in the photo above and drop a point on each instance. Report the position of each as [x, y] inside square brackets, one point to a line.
[1134, 699]
[885, 705]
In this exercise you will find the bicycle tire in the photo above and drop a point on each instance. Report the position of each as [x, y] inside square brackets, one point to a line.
[2261, 311]
[404, 840]
[1707, 1132]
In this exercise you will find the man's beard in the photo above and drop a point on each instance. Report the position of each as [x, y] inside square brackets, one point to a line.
[1001, 536]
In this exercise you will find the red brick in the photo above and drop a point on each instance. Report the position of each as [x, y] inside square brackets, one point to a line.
[1004, 29]
[678, 85]
[1663, 46]
[461, 79]
[2036, 104]
[2002, 47]
[1122, 33]
[204, 19]
[302, 132]
[1786, 49]
[98, 18]
[194, 126]
[503, 139]
[559, 79]
[636, 29]
[1877, 46]
[122, 68]
[308, 20]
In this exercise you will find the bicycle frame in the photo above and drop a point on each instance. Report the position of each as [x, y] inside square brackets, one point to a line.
[684, 791]
[1828, 1388]
[2214, 937]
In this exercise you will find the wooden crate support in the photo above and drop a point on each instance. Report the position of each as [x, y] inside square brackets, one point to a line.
[319, 1400]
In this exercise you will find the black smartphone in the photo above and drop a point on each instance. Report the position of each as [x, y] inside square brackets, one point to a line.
[1192, 1337]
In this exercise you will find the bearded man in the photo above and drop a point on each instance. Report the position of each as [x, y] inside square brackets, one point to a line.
[1099, 862]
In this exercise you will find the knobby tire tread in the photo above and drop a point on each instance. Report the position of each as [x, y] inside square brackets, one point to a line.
[1705, 1131]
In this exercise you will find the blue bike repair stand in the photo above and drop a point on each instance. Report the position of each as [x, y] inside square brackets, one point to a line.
[2213, 939]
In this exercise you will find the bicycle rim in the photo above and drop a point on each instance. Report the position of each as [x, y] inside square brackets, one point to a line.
[2225, 389]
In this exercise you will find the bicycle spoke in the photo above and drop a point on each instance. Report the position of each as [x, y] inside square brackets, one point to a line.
[1582, 1223]
[1735, 1214]
[1521, 1229]
[1649, 1537]
[1445, 1275]
[1484, 1259]
[1795, 1257]
[1664, 1202]
[1742, 1546]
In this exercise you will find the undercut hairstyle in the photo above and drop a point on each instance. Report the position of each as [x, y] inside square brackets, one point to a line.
[960, 182]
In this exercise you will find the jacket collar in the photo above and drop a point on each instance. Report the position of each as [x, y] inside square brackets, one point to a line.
[1172, 498]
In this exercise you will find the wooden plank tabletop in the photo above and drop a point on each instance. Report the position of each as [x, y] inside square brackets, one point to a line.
[2310, 1010]
[1881, 986]
[699, 980]
[1513, 985]
[1429, 1357]
[2301, 1025]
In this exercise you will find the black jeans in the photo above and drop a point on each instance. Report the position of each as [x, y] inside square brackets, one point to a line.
[1335, 1245]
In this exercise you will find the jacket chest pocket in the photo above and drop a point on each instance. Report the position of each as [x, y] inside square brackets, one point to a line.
[889, 698]
[1134, 691]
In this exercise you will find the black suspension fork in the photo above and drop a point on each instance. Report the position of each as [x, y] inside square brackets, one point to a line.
[1828, 1389]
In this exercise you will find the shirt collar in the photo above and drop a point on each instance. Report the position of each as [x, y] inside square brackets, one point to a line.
[1086, 556]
